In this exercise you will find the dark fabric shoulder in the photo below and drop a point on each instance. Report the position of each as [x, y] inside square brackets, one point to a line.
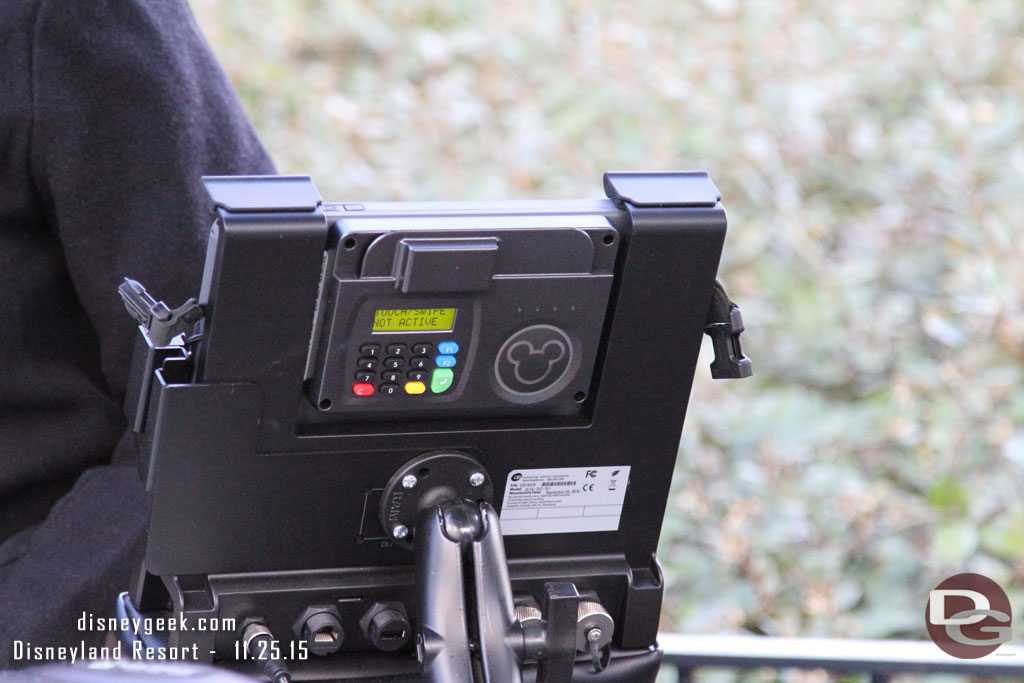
[130, 109]
[116, 109]
[110, 111]
[55, 416]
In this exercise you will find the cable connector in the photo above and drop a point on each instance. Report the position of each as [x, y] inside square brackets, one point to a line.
[594, 629]
[258, 641]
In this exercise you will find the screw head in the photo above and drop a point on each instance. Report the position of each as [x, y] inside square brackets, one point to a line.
[594, 635]
[400, 531]
[409, 481]
[477, 479]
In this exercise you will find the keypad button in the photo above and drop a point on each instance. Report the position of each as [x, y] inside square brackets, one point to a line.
[365, 375]
[370, 350]
[441, 380]
[362, 389]
[393, 362]
[367, 363]
[420, 362]
[391, 376]
[445, 361]
[448, 347]
[396, 349]
[389, 389]
[415, 387]
[422, 348]
[417, 375]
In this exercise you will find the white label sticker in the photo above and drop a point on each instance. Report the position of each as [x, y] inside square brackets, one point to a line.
[563, 500]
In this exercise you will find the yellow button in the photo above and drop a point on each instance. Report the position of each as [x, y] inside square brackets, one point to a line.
[415, 387]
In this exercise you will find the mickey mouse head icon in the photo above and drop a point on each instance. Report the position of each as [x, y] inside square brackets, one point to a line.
[535, 363]
[532, 365]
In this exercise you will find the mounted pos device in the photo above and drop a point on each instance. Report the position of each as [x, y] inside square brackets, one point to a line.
[425, 439]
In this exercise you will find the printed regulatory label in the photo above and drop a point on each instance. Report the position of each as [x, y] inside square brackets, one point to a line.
[563, 500]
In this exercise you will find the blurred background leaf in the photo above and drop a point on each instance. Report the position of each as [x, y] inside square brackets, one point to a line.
[870, 154]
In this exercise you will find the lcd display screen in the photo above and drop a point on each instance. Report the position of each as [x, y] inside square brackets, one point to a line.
[414, 320]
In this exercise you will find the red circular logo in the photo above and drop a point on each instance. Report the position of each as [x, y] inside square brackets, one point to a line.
[968, 616]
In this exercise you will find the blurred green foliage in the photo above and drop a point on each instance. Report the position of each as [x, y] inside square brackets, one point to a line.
[870, 154]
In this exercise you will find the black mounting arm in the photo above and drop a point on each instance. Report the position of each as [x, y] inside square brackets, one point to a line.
[467, 618]
[469, 628]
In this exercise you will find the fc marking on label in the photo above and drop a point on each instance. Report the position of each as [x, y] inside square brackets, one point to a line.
[592, 474]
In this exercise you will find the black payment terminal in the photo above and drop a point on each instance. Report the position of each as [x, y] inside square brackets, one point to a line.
[470, 315]
[363, 396]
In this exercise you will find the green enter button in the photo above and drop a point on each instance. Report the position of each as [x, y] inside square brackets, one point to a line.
[441, 380]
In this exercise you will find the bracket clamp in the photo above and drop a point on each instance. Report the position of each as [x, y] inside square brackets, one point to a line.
[661, 190]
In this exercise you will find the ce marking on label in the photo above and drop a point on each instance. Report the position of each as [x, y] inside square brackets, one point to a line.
[588, 487]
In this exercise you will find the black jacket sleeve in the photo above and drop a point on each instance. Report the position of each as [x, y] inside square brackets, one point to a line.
[130, 109]
[110, 111]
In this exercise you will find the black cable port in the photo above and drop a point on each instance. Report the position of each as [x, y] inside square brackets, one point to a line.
[320, 628]
[261, 647]
[386, 625]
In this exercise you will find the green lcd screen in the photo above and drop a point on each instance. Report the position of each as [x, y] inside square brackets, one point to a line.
[414, 320]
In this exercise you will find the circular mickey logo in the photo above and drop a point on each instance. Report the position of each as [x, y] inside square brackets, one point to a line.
[535, 363]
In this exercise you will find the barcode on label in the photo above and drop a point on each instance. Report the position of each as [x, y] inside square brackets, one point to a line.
[558, 483]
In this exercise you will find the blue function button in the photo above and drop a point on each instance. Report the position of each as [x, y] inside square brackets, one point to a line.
[448, 347]
[445, 361]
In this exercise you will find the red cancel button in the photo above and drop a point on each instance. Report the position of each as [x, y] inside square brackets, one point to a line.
[362, 389]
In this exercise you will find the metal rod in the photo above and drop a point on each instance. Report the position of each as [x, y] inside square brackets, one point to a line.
[876, 657]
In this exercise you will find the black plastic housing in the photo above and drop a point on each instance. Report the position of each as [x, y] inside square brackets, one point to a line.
[263, 502]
